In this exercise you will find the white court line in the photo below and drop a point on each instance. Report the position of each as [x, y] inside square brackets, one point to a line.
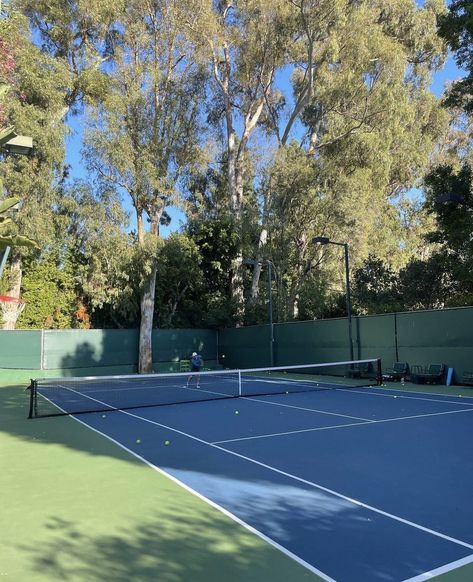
[300, 479]
[128, 389]
[370, 393]
[189, 489]
[426, 393]
[269, 435]
[306, 482]
[277, 434]
[442, 570]
[308, 409]
[250, 528]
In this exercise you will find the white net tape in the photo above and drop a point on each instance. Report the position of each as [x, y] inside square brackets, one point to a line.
[11, 311]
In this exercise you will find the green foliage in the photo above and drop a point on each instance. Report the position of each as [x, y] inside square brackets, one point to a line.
[456, 27]
[188, 94]
[50, 294]
[77, 35]
[450, 200]
[179, 277]
[11, 240]
[109, 269]
[421, 284]
[376, 288]
[218, 242]
[35, 103]
[426, 284]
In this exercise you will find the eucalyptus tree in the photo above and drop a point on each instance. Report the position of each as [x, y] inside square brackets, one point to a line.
[37, 86]
[246, 44]
[449, 183]
[365, 122]
[360, 109]
[7, 238]
[456, 27]
[146, 131]
[55, 74]
[80, 35]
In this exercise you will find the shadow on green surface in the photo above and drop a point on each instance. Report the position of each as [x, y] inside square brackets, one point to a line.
[168, 548]
[178, 542]
[14, 405]
[76, 512]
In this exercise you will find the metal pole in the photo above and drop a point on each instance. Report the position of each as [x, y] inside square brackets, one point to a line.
[3, 259]
[347, 276]
[271, 326]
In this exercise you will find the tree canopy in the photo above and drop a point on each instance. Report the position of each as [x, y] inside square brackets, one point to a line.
[267, 124]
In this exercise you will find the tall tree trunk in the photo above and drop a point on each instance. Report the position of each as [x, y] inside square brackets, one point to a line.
[15, 277]
[263, 238]
[145, 362]
[302, 271]
[236, 290]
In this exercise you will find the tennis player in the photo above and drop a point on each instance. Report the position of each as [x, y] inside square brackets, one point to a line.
[196, 364]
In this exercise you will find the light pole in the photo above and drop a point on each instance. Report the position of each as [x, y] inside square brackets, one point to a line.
[12, 144]
[323, 240]
[270, 304]
[3, 258]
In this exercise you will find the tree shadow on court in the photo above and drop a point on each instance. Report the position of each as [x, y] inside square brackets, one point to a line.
[171, 546]
[75, 513]
[14, 406]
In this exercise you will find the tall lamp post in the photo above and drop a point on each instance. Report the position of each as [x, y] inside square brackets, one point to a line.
[12, 144]
[270, 304]
[323, 240]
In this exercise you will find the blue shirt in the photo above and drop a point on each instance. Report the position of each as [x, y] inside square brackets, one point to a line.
[196, 361]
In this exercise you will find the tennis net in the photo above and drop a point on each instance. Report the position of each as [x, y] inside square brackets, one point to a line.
[75, 395]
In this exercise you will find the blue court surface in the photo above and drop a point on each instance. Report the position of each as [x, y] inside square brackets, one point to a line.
[357, 485]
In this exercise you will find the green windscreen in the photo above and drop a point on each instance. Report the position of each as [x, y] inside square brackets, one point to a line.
[244, 347]
[324, 340]
[375, 337]
[70, 349]
[437, 337]
[172, 345]
[77, 348]
[20, 349]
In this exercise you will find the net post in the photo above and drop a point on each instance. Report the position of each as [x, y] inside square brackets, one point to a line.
[379, 372]
[32, 389]
[239, 382]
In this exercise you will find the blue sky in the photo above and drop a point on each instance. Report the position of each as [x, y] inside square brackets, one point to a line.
[78, 171]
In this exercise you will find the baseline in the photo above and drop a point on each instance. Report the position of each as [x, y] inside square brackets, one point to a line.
[441, 570]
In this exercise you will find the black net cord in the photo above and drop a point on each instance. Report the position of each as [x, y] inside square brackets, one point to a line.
[33, 391]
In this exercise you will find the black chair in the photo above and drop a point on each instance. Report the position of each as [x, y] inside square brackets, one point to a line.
[467, 379]
[434, 374]
[398, 371]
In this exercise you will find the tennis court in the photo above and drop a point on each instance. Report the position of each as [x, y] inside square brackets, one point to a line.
[355, 483]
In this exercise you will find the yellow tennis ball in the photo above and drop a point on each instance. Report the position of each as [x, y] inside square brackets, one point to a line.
[138, 441]
[167, 442]
[237, 412]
